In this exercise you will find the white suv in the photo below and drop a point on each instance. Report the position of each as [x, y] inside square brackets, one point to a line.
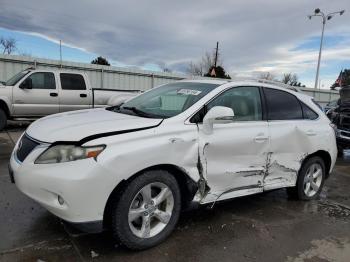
[133, 168]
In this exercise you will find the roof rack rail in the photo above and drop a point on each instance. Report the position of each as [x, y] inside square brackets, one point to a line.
[271, 82]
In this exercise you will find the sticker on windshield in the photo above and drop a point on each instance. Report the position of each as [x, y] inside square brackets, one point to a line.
[189, 92]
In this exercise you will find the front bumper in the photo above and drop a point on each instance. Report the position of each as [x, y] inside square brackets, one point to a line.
[83, 185]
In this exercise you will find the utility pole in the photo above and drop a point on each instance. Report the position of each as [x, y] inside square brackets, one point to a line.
[61, 53]
[216, 54]
[325, 18]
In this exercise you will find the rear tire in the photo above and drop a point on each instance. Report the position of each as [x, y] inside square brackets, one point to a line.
[147, 210]
[310, 180]
[3, 119]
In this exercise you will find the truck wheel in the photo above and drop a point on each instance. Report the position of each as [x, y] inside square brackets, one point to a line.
[147, 210]
[310, 180]
[3, 119]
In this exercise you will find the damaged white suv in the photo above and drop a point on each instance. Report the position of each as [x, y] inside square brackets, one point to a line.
[133, 168]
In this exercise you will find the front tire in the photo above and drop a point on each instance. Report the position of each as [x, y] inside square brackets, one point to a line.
[147, 210]
[3, 119]
[310, 180]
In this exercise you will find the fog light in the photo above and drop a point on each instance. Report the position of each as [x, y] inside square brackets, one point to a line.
[60, 200]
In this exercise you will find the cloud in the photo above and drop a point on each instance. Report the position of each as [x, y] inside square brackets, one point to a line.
[254, 35]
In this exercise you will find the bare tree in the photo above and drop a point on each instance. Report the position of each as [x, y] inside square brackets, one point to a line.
[164, 67]
[286, 78]
[290, 79]
[8, 45]
[294, 80]
[267, 76]
[195, 69]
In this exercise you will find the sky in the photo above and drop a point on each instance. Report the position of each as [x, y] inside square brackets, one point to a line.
[254, 35]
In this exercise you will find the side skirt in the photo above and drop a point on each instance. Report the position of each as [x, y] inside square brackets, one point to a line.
[230, 193]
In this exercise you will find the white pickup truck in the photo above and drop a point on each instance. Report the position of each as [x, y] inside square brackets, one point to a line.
[35, 93]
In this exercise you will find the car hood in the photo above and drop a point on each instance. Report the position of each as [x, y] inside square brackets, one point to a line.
[84, 125]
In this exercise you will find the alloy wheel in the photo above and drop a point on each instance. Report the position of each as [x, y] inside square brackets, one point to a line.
[150, 210]
[313, 180]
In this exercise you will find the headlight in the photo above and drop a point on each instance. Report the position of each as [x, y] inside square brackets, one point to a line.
[66, 153]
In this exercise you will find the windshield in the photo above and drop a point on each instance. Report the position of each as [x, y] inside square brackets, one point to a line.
[13, 80]
[167, 100]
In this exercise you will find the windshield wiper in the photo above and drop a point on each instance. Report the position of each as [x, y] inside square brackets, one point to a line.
[137, 111]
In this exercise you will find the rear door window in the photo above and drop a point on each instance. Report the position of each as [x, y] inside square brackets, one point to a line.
[72, 81]
[282, 105]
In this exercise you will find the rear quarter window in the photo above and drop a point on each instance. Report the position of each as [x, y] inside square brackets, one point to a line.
[317, 104]
[308, 113]
[282, 105]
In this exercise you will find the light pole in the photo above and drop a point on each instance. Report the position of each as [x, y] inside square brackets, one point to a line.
[325, 18]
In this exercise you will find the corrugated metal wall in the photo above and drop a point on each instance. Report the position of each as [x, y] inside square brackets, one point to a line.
[99, 76]
[117, 77]
[321, 96]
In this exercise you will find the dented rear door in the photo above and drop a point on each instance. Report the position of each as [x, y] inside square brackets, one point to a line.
[233, 157]
[289, 138]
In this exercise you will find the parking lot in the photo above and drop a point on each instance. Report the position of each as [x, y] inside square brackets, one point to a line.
[265, 227]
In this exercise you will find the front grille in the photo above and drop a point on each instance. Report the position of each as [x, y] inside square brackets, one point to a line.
[344, 122]
[25, 146]
[344, 133]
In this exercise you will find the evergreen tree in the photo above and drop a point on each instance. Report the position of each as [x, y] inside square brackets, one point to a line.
[100, 61]
[218, 72]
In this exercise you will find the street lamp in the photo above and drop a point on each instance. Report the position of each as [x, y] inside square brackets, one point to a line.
[325, 18]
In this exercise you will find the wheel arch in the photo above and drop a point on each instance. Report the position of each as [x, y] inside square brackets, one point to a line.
[4, 106]
[188, 187]
[325, 156]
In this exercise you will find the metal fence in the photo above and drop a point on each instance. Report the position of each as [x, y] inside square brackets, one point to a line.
[100, 76]
[112, 77]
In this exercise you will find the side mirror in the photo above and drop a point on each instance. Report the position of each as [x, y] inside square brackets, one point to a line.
[26, 84]
[217, 115]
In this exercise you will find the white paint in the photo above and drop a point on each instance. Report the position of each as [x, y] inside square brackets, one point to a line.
[236, 158]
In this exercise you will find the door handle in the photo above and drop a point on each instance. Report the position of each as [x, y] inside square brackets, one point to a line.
[310, 133]
[260, 139]
[53, 94]
[83, 95]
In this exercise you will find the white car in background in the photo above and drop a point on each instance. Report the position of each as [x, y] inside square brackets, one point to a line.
[132, 168]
